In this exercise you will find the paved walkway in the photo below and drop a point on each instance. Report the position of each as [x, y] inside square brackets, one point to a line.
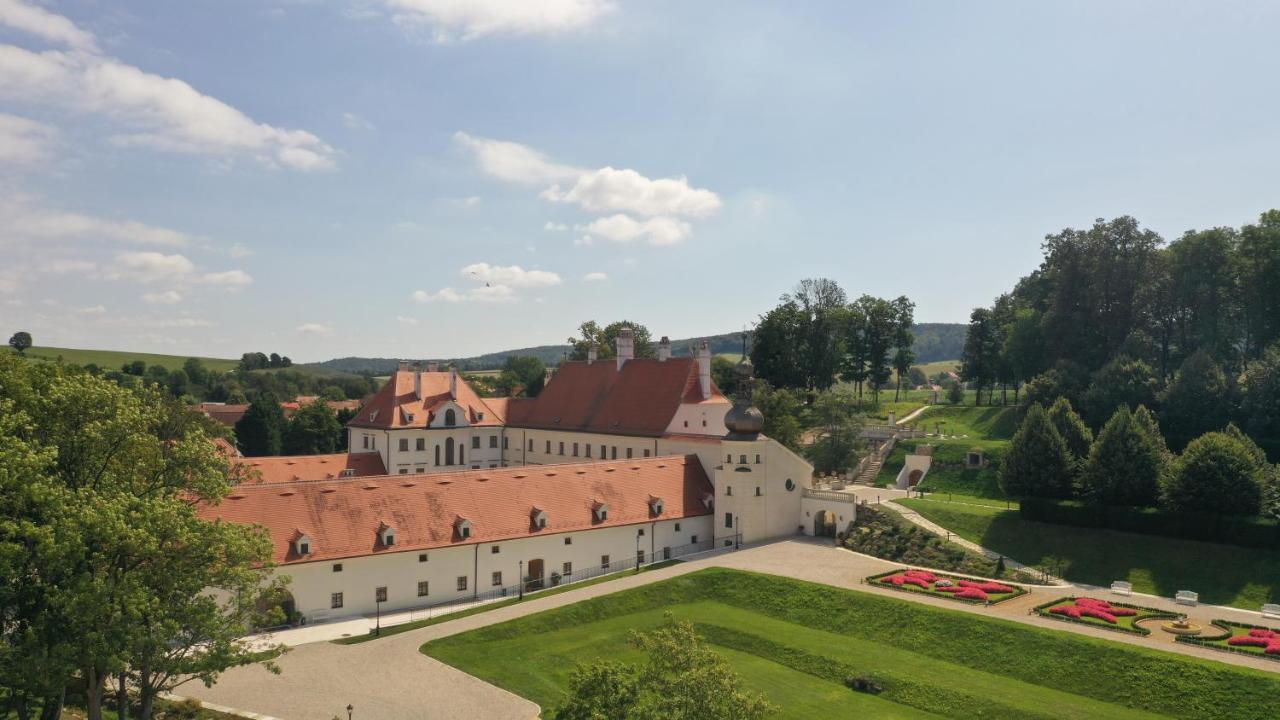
[389, 679]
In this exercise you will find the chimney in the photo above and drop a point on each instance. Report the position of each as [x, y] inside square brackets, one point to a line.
[664, 349]
[592, 353]
[433, 367]
[704, 369]
[626, 346]
[453, 382]
[403, 367]
[417, 383]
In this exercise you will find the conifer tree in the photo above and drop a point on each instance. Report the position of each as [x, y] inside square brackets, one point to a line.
[1216, 474]
[1126, 462]
[261, 430]
[1075, 433]
[1037, 463]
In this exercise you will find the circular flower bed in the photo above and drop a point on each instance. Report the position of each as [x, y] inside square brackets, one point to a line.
[972, 591]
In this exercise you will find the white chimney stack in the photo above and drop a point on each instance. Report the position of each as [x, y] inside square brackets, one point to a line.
[453, 382]
[417, 383]
[403, 367]
[433, 367]
[664, 349]
[592, 354]
[704, 369]
[626, 346]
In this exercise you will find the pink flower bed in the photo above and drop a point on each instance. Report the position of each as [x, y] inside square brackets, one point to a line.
[963, 589]
[1268, 640]
[1090, 607]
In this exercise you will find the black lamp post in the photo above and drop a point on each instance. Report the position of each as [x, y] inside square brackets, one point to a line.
[520, 577]
[377, 604]
[737, 526]
[349, 709]
[637, 551]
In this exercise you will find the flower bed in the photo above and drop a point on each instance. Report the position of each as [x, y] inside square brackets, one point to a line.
[1103, 614]
[1241, 638]
[975, 591]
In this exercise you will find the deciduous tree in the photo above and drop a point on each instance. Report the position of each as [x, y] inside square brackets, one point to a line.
[20, 341]
[1216, 474]
[261, 430]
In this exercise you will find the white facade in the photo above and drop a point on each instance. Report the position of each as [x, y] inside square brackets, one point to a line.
[463, 572]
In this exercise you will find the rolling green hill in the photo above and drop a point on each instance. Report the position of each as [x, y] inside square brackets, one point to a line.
[113, 359]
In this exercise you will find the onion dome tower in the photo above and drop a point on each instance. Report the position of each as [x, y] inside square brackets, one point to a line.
[744, 420]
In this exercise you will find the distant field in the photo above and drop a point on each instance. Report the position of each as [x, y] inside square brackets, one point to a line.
[933, 368]
[113, 359]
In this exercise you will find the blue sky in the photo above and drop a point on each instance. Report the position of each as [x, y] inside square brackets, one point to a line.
[442, 178]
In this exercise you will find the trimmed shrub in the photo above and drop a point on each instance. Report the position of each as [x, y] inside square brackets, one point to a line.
[1204, 527]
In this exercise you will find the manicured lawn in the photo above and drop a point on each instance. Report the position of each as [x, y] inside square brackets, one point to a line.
[928, 660]
[446, 617]
[965, 427]
[1222, 574]
[1124, 617]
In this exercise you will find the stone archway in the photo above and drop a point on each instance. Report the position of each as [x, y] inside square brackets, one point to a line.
[277, 608]
[824, 524]
[914, 478]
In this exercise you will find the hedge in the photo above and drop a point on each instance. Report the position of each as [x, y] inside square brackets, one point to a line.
[1219, 642]
[1144, 613]
[1229, 530]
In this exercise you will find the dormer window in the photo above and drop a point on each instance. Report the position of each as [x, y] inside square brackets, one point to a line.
[450, 418]
[347, 472]
[462, 527]
[387, 535]
[302, 543]
[601, 511]
[373, 415]
[708, 501]
[539, 518]
[479, 416]
[656, 505]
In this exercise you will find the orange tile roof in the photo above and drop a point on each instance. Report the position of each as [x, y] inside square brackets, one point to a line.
[293, 468]
[392, 405]
[342, 517]
[640, 399]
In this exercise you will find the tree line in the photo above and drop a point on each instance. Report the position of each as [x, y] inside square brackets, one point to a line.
[1055, 455]
[104, 562]
[1115, 316]
[816, 336]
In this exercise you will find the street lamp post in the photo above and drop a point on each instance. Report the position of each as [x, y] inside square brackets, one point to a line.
[520, 577]
[737, 526]
[349, 709]
[377, 604]
[637, 551]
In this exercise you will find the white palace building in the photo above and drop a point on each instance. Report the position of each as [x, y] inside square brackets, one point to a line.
[447, 496]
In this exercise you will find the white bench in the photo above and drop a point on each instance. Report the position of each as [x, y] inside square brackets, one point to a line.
[1271, 611]
[1121, 587]
[1186, 597]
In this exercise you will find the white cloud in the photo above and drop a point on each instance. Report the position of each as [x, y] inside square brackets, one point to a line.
[583, 241]
[609, 189]
[406, 320]
[484, 294]
[68, 267]
[163, 113]
[355, 122]
[34, 19]
[514, 162]
[469, 19]
[240, 250]
[24, 141]
[510, 275]
[444, 295]
[317, 329]
[94, 310]
[151, 266]
[24, 221]
[168, 297]
[595, 277]
[228, 278]
[555, 226]
[185, 322]
[655, 231]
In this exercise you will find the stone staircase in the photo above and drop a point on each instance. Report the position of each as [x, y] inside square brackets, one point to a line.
[869, 473]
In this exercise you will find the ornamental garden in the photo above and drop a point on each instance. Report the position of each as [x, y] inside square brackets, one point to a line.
[970, 590]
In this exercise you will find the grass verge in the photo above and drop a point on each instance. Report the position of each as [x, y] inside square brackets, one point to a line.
[928, 659]
[1222, 574]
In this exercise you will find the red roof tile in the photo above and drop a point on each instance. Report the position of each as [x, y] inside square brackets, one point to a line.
[640, 399]
[293, 468]
[342, 517]
[392, 405]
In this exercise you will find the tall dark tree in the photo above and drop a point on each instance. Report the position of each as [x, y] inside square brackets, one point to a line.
[1203, 292]
[1037, 463]
[1260, 396]
[605, 339]
[1075, 433]
[313, 430]
[879, 336]
[20, 341]
[1197, 401]
[979, 360]
[821, 304]
[261, 430]
[1216, 474]
[1023, 350]
[777, 346]
[1257, 264]
[1123, 381]
[1125, 464]
[903, 357]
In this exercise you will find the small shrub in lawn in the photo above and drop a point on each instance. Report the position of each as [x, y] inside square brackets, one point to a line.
[864, 685]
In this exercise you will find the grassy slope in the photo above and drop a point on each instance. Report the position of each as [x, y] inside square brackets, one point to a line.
[1222, 574]
[113, 359]
[927, 658]
[986, 427]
